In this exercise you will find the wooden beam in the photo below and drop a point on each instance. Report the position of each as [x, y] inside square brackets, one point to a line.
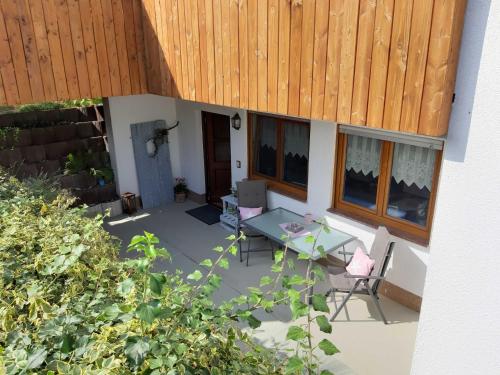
[235, 53]
[272, 55]
[101, 49]
[262, 29]
[42, 45]
[253, 51]
[111, 47]
[130, 38]
[226, 52]
[202, 27]
[295, 59]
[243, 48]
[398, 59]
[89, 44]
[9, 81]
[306, 64]
[333, 61]
[363, 61]
[218, 53]
[319, 60]
[15, 40]
[380, 62]
[210, 51]
[283, 55]
[347, 59]
[442, 59]
[139, 41]
[79, 48]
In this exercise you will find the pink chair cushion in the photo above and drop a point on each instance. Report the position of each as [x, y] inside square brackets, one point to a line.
[247, 213]
[360, 264]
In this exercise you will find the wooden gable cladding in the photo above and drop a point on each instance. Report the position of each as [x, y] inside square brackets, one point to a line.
[70, 49]
[380, 63]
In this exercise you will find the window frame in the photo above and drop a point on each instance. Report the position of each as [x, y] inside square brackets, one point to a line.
[400, 227]
[276, 183]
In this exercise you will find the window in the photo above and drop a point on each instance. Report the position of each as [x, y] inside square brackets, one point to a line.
[385, 182]
[279, 153]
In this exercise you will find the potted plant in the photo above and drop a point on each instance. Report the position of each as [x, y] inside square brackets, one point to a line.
[180, 189]
[104, 175]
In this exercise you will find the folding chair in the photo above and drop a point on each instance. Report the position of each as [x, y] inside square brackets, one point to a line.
[343, 282]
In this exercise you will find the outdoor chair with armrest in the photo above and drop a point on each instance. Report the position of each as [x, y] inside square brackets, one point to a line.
[343, 282]
[251, 194]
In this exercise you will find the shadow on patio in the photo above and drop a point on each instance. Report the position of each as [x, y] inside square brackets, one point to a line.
[364, 341]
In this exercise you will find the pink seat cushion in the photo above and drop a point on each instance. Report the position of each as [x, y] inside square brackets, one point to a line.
[247, 213]
[360, 264]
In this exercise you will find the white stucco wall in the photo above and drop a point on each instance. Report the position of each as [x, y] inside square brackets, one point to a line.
[409, 261]
[126, 110]
[459, 328]
[186, 149]
[191, 143]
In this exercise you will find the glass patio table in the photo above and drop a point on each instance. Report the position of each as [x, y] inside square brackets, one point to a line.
[268, 224]
[271, 224]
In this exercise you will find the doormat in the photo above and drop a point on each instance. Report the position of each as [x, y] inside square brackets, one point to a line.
[208, 214]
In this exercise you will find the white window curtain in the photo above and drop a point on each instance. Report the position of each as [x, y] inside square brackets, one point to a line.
[296, 140]
[268, 133]
[363, 155]
[413, 165]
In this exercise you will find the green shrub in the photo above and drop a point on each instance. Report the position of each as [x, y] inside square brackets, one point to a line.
[76, 163]
[106, 173]
[44, 106]
[6, 133]
[69, 305]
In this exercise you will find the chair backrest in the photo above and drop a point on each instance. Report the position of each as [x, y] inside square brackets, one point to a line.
[252, 194]
[380, 252]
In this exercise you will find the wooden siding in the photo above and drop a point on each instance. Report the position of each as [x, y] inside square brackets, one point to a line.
[387, 64]
[70, 49]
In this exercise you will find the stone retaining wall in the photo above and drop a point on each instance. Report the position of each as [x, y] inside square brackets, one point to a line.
[30, 152]
[42, 141]
[52, 116]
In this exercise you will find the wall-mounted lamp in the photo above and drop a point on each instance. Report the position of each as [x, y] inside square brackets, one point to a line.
[236, 121]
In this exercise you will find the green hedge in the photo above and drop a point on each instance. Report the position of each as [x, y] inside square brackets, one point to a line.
[68, 305]
[45, 106]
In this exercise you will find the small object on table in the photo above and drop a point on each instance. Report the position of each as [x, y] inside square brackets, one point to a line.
[294, 227]
[308, 218]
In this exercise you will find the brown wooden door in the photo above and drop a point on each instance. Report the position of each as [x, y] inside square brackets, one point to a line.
[217, 143]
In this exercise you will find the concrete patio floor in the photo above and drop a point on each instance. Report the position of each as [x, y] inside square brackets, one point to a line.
[367, 345]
